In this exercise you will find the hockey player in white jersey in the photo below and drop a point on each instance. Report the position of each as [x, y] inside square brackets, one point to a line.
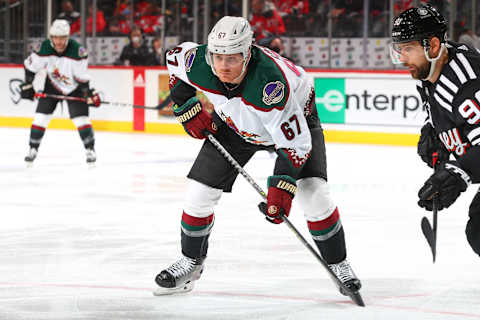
[66, 63]
[262, 101]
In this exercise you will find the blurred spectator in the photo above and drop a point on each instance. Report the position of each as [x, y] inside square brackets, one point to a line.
[123, 8]
[265, 20]
[469, 38]
[68, 13]
[141, 7]
[291, 7]
[118, 26]
[347, 18]
[100, 23]
[157, 55]
[151, 21]
[379, 15]
[220, 8]
[275, 44]
[136, 52]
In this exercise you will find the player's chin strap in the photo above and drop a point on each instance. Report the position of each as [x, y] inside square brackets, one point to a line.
[433, 61]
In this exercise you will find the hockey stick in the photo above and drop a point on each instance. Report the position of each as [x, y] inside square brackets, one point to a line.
[120, 104]
[355, 296]
[430, 232]
[14, 86]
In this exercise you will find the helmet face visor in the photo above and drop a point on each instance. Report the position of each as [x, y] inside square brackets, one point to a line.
[231, 60]
[402, 52]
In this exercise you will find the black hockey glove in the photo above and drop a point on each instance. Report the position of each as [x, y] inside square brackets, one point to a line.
[26, 91]
[429, 144]
[93, 98]
[448, 181]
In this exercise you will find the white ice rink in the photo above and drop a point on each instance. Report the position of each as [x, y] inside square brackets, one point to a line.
[86, 243]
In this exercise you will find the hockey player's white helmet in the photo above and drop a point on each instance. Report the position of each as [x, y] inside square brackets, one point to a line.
[60, 28]
[230, 35]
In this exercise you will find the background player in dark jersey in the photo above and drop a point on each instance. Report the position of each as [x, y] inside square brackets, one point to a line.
[66, 64]
[449, 85]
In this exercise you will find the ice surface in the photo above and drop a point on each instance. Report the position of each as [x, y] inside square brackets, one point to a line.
[86, 243]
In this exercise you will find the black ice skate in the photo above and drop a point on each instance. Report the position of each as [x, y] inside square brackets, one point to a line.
[345, 273]
[32, 154]
[179, 277]
[91, 156]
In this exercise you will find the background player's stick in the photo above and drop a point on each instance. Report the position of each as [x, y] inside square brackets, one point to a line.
[355, 296]
[120, 104]
[430, 232]
[14, 86]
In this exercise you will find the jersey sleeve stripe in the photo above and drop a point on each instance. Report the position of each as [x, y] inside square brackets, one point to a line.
[449, 84]
[458, 72]
[442, 102]
[467, 66]
[474, 136]
[444, 93]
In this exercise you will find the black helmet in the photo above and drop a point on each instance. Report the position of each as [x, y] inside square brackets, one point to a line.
[420, 24]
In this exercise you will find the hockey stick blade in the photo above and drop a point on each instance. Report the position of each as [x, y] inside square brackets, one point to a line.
[357, 299]
[428, 233]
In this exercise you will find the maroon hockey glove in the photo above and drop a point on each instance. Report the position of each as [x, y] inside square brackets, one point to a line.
[449, 181]
[281, 190]
[194, 118]
[93, 98]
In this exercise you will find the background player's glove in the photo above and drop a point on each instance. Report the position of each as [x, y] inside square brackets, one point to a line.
[93, 98]
[194, 118]
[448, 181]
[281, 190]
[429, 144]
[27, 91]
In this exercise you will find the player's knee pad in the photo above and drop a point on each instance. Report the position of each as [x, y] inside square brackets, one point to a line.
[41, 119]
[314, 198]
[200, 199]
[473, 225]
[81, 121]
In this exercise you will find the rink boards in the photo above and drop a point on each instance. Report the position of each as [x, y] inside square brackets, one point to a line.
[372, 107]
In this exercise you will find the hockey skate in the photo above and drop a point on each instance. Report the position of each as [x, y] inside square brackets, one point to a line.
[91, 156]
[179, 277]
[32, 154]
[345, 274]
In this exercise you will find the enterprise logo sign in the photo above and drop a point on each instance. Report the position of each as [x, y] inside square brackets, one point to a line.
[330, 99]
[368, 101]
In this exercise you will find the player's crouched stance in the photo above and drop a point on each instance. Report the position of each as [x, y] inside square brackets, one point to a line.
[262, 101]
[66, 63]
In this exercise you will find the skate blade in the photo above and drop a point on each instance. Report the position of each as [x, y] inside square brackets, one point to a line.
[187, 287]
[29, 164]
[91, 165]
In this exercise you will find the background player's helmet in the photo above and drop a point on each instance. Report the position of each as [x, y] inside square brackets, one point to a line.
[230, 35]
[420, 24]
[59, 28]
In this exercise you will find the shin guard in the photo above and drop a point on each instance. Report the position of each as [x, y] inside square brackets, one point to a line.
[329, 237]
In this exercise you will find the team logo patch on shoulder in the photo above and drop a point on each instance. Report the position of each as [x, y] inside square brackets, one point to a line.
[37, 47]
[189, 58]
[273, 92]
[82, 52]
